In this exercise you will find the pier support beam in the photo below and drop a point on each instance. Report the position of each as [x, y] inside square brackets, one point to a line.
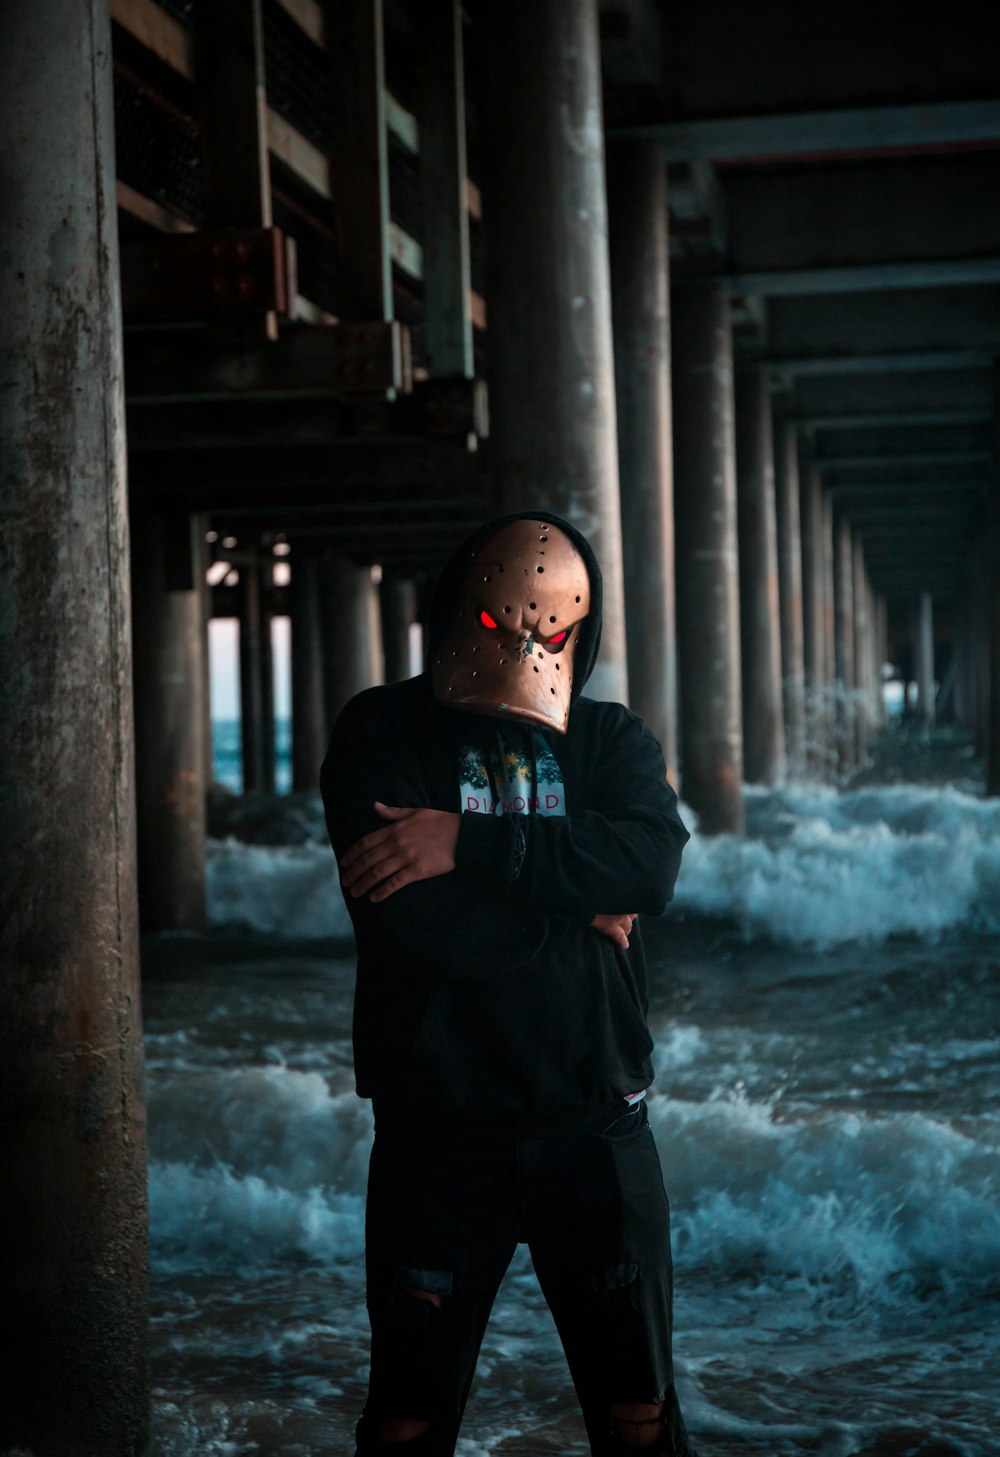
[309, 729]
[789, 537]
[352, 632]
[398, 602]
[813, 611]
[552, 402]
[923, 656]
[760, 618]
[708, 613]
[864, 655]
[845, 660]
[72, 1147]
[829, 689]
[169, 632]
[640, 293]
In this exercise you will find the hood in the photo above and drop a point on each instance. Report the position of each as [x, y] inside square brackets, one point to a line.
[444, 602]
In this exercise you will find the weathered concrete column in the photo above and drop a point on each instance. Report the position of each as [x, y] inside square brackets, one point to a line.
[308, 717]
[552, 399]
[864, 658]
[923, 655]
[640, 295]
[72, 1147]
[256, 689]
[882, 643]
[789, 538]
[845, 661]
[398, 602]
[708, 610]
[829, 692]
[760, 616]
[993, 618]
[352, 632]
[813, 630]
[169, 677]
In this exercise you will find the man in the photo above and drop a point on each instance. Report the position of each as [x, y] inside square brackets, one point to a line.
[497, 834]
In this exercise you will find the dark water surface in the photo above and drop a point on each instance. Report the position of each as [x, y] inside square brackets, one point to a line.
[829, 1130]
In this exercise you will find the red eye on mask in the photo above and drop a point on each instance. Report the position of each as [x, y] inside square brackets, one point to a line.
[487, 621]
[559, 639]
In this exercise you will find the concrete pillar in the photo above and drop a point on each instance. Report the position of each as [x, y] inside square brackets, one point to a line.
[640, 295]
[553, 440]
[813, 633]
[256, 687]
[924, 658]
[351, 632]
[789, 539]
[829, 690]
[864, 658]
[760, 616]
[309, 729]
[169, 677]
[845, 661]
[992, 595]
[72, 1147]
[398, 602]
[882, 641]
[708, 613]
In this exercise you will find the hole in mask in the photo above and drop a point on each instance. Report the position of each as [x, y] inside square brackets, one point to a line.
[557, 667]
[552, 691]
[506, 609]
[552, 619]
[539, 569]
[532, 606]
[578, 599]
[536, 670]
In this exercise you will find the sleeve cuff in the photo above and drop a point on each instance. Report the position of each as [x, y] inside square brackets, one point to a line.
[485, 842]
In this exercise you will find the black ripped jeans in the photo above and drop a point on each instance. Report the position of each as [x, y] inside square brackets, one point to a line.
[444, 1217]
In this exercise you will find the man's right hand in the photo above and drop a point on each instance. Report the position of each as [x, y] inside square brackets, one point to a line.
[617, 927]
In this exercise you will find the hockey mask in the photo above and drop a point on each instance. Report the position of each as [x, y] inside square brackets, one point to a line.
[508, 652]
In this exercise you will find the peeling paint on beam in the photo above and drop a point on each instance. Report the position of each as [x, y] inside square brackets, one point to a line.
[819, 133]
[902, 363]
[882, 418]
[864, 278]
[876, 462]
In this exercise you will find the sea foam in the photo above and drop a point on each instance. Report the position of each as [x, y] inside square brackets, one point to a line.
[817, 868]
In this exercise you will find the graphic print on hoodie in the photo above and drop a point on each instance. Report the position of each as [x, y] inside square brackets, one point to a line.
[516, 774]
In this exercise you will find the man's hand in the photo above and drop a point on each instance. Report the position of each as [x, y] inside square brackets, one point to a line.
[418, 844]
[617, 927]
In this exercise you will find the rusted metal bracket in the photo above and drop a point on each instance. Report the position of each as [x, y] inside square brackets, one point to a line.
[223, 273]
[306, 361]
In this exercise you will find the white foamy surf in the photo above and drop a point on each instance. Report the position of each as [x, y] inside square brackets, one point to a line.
[817, 868]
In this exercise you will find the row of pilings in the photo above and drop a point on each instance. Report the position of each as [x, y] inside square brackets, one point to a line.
[778, 629]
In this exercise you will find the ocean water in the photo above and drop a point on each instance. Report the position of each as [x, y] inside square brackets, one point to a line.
[826, 1006]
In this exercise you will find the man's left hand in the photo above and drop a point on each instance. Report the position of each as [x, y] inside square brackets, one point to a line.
[418, 844]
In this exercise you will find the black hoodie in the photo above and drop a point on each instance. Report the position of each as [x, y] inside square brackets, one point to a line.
[484, 996]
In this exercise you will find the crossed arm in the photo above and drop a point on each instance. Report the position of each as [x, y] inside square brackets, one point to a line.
[418, 844]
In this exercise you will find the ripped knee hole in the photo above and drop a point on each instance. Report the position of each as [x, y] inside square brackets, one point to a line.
[431, 1296]
[640, 1424]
